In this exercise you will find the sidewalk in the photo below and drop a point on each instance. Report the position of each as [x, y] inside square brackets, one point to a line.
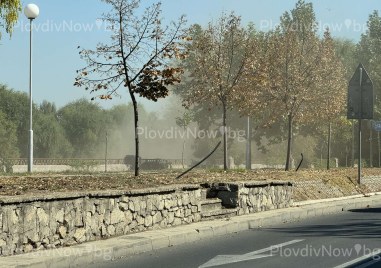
[118, 247]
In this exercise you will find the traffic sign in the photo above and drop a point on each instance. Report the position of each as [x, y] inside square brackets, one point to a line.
[360, 95]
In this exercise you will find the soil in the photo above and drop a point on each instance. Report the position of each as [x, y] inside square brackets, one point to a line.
[309, 184]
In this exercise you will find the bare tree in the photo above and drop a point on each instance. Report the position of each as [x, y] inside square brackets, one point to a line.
[140, 56]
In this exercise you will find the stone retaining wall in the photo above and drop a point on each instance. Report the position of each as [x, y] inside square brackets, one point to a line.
[29, 223]
[262, 196]
[34, 223]
[254, 196]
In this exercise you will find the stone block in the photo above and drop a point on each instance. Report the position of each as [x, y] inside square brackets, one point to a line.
[117, 216]
[243, 191]
[42, 217]
[107, 217]
[177, 221]
[137, 205]
[13, 218]
[60, 215]
[185, 199]
[193, 200]
[128, 217]
[28, 248]
[44, 232]
[194, 209]
[132, 225]
[148, 221]
[149, 207]
[168, 204]
[139, 220]
[157, 218]
[111, 230]
[164, 223]
[171, 217]
[187, 212]
[62, 231]
[119, 228]
[161, 204]
[179, 213]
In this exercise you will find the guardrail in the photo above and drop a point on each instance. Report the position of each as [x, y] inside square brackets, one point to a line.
[95, 161]
[65, 161]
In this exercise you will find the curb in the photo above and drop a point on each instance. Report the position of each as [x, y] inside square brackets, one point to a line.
[127, 245]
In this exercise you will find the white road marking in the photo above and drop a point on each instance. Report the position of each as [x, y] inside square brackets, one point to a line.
[359, 259]
[226, 259]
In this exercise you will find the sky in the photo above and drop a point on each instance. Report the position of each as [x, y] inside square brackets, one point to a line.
[64, 25]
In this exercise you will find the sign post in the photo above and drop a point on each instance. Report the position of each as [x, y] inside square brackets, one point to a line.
[377, 127]
[360, 103]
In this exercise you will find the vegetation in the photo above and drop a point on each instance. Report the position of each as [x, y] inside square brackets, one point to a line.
[218, 59]
[9, 13]
[289, 68]
[139, 57]
[290, 80]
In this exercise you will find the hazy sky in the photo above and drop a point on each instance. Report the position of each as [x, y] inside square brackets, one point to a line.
[64, 25]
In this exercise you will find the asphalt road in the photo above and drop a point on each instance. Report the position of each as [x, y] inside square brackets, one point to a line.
[347, 239]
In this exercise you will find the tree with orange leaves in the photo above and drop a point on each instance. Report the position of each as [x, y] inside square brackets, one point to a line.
[294, 59]
[216, 70]
[331, 89]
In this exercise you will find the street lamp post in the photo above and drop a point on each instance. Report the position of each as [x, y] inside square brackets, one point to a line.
[31, 11]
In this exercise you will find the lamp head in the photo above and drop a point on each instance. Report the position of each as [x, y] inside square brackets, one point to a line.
[31, 11]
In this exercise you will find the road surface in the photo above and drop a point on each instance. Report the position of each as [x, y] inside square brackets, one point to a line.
[347, 239]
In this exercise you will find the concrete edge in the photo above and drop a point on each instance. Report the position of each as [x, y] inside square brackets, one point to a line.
[128, 245]
[94, 194]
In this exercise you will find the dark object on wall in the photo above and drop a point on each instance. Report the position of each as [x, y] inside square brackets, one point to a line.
[206, 157]
[300, 163]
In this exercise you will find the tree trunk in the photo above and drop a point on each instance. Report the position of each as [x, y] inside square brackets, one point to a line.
[136, 119]
[289, 142]
[329, 146]
[225, 135]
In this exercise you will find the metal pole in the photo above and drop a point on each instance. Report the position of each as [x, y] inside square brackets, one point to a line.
[30, 159]
[248, 144]
[379, 152]
[329, 146]
[106, 152]
[359, 138]
[353, 143]
[370, 145]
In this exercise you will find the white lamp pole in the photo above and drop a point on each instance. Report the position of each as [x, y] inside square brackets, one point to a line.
[31, 11]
